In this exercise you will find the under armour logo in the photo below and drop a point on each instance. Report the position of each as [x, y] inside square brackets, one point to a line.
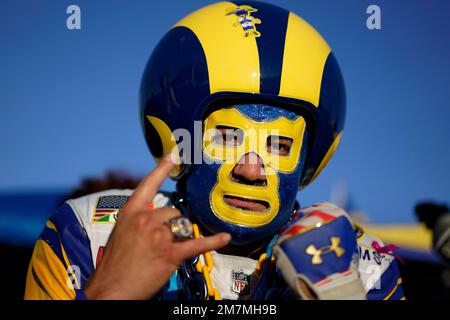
[317, 253]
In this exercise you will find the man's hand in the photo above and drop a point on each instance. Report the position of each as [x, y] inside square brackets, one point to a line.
[141, 253]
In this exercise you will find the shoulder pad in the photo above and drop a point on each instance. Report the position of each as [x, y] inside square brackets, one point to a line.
[97, 213]
[325, 207]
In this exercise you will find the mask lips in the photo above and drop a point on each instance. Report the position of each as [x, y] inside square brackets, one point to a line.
[246, 204]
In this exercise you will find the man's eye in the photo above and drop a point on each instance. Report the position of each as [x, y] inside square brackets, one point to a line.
[228, 136]
[279, 145]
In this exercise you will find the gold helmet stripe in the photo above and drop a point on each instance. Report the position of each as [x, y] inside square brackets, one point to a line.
[305, 54]
[232, 58]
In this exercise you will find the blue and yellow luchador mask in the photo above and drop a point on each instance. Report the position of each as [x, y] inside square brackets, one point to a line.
[248, 181]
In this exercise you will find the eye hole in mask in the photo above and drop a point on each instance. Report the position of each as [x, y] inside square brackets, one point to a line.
[231, 136]
[228, 136]
[279, 145]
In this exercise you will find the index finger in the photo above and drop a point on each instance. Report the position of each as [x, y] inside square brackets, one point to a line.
[149, 186]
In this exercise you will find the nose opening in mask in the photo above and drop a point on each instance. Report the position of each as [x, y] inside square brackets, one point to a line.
[249, 170]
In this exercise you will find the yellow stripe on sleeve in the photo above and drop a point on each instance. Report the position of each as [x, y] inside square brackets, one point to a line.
[33, 289]
[47, 276]
[51, 225]
[399, 281]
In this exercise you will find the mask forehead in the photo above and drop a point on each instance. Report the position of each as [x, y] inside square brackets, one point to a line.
[262, 112]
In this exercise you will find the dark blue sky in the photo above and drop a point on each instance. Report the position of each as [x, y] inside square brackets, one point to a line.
[68, 99]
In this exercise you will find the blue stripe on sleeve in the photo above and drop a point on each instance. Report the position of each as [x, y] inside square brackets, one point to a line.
[387, 283]
[74, 241]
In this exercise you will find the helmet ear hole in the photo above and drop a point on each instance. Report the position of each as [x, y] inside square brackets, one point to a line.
[153, 139]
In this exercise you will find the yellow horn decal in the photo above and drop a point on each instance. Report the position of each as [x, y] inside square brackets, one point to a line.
[305, 55]
[232, 59]
[169, 144]
[327, 157]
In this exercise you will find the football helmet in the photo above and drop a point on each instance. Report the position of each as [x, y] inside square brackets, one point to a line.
[243, 64]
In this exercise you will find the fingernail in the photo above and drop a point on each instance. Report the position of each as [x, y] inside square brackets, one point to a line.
[168, 158]
[226, 237]
[173, 157]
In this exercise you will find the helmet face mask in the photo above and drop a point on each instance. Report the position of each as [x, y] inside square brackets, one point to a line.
[207, 70]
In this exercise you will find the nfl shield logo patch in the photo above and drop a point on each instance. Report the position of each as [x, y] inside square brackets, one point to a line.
[240, 282]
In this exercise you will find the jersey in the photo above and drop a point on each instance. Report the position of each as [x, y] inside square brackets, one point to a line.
[71, 245]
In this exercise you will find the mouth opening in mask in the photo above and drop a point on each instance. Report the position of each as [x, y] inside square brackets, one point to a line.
[246, 204]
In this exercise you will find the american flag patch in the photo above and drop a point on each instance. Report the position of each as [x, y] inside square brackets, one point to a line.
[108, 208]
